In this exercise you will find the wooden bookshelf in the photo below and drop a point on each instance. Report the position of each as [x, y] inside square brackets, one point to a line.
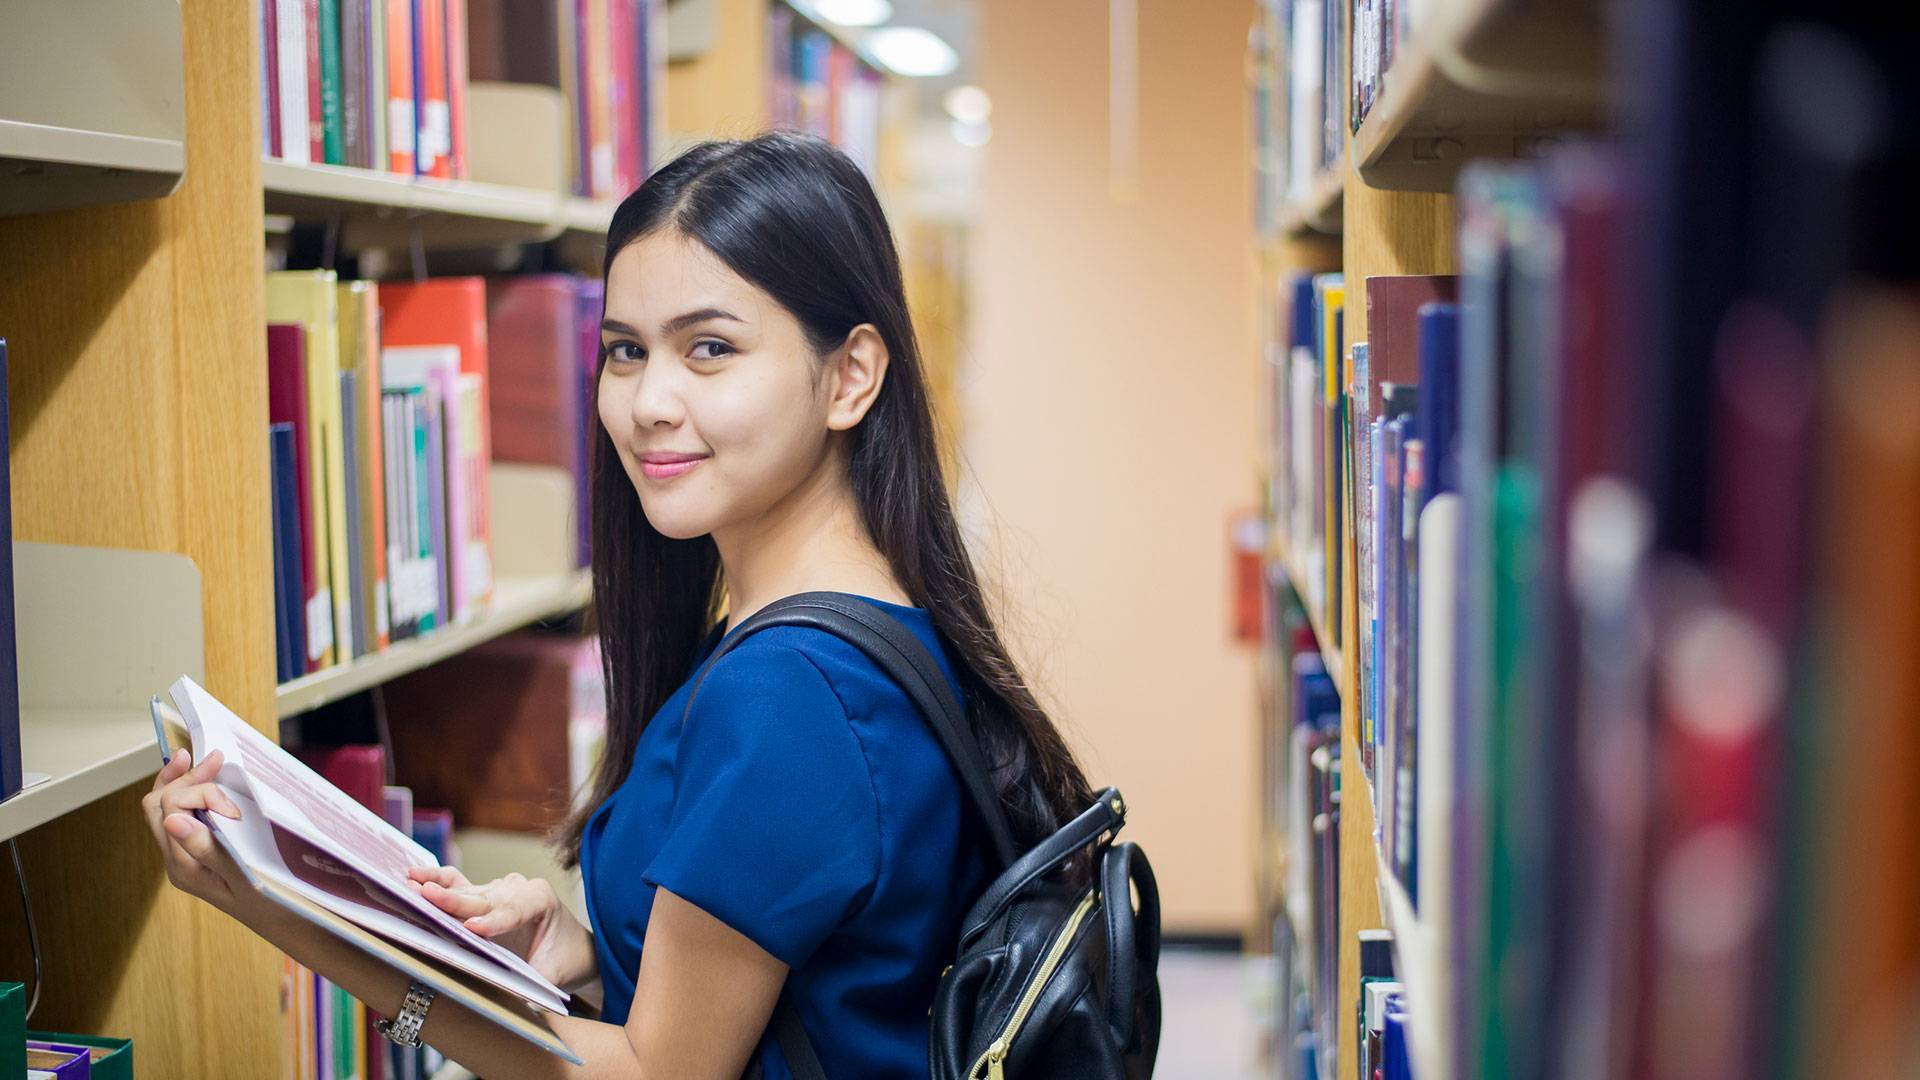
[517, 602]
[1486, 79]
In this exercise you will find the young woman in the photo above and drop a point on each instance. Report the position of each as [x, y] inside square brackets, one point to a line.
[765, 432]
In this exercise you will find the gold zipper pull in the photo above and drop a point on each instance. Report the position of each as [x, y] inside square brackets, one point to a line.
[996, 1059]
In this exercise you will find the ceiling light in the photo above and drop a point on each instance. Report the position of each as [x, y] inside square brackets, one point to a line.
[968, 104]
[970, 134]
[854, 12]
[909, 50]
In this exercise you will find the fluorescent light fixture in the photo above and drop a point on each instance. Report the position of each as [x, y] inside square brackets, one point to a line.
[854, 12]
[911, 51]
[968, 104]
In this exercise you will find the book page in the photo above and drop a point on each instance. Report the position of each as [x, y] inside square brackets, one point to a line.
[280, 797]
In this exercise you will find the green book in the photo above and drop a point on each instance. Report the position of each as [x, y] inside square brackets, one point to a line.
[112, 1059]
[330, 112]
[13, 1030]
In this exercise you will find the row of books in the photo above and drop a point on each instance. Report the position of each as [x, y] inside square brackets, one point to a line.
[388, 403]
[385, 84]
[330, 1033]
[1379, 27]
[46, 1055]
[822, 87]
[1299, 114]
[1303, 785]
[1584, 609]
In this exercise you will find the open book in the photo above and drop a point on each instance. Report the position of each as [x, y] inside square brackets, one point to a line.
[308, 846]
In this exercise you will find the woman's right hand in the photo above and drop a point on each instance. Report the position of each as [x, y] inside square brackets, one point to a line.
[523, 915]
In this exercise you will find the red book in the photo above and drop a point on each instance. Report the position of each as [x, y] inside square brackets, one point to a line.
[287, 404]
[401, 122]
[1393, 326]
[316, 111]
[358, 770]
[535, 397]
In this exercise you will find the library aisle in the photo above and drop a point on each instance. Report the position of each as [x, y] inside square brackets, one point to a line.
[1453, 465]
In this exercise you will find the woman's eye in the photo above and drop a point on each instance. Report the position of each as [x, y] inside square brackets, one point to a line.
[623, 352]
[711, 350]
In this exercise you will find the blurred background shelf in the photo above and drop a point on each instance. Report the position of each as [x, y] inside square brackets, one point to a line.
[517, 602]
[1320, 211]
[1487, 79]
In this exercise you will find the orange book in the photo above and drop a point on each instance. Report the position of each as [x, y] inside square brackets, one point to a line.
[453, 311]
[457, 88]
[401, 124]
[434, 138]
[599, 62]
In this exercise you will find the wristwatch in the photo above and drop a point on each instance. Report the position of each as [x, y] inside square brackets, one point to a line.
[404, 1029]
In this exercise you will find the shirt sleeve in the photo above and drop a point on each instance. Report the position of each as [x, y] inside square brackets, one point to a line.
[775, 828]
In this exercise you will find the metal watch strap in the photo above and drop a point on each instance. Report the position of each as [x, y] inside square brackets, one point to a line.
[404, 1029]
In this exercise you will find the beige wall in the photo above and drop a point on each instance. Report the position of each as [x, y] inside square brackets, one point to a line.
[1109, 391]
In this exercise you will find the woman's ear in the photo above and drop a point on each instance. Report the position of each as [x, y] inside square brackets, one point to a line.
[859, 370]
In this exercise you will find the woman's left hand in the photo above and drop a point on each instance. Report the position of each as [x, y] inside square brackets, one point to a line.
[195, 861]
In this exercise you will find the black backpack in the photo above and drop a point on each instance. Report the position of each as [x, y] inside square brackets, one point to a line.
[1050, 981]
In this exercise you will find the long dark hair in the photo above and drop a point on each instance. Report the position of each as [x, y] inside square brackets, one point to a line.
[797, 218]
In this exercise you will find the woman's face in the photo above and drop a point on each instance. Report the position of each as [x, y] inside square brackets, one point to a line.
[711, 393]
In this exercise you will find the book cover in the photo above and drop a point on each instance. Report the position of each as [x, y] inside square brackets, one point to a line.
[290, 40]
[290, 646]
[451, 311]
[360, 352]
[270, 77]
[433, 434]
[354, 58]
[590, 304]
[456, 35]
[308, 298]
[624, 55]
[316, 102]
[357, 626]
[379, 142]
[430, 88]
[12, 774]
[598, 53]
[50, 1061]
[401, 120]
[1393, 325]
[287, 403]
[533, 346]
[333, 122]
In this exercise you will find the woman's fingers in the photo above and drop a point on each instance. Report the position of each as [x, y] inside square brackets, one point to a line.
[444, 876]
[461, 904]
[204, 796]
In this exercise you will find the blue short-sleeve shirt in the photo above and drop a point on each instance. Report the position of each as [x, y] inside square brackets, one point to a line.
[805, 803]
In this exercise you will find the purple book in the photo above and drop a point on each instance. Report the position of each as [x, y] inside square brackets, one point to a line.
[437, 502]
[590, 300]
[58, 1060]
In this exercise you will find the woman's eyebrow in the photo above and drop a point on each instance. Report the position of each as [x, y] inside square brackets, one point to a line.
[673, 325]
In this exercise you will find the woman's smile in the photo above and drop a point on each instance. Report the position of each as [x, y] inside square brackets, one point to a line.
[663, 465]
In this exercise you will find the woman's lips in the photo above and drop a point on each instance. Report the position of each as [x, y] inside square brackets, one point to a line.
[667, 470]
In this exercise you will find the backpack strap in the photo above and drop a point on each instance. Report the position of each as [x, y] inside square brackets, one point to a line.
[795, 1047]
[896, 651]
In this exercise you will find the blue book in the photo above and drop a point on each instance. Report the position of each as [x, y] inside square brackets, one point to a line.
[1396, 1057]
[10, 768]
[1438, 414]
[290, 627]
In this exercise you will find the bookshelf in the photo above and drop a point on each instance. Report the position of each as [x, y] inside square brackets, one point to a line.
[93, 112]
[1320, 210]
[517, 602]
[382, 209]
[1478, 79]
[1483, 79]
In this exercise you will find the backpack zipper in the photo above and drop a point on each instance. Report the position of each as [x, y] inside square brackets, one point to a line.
[994, 1060]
